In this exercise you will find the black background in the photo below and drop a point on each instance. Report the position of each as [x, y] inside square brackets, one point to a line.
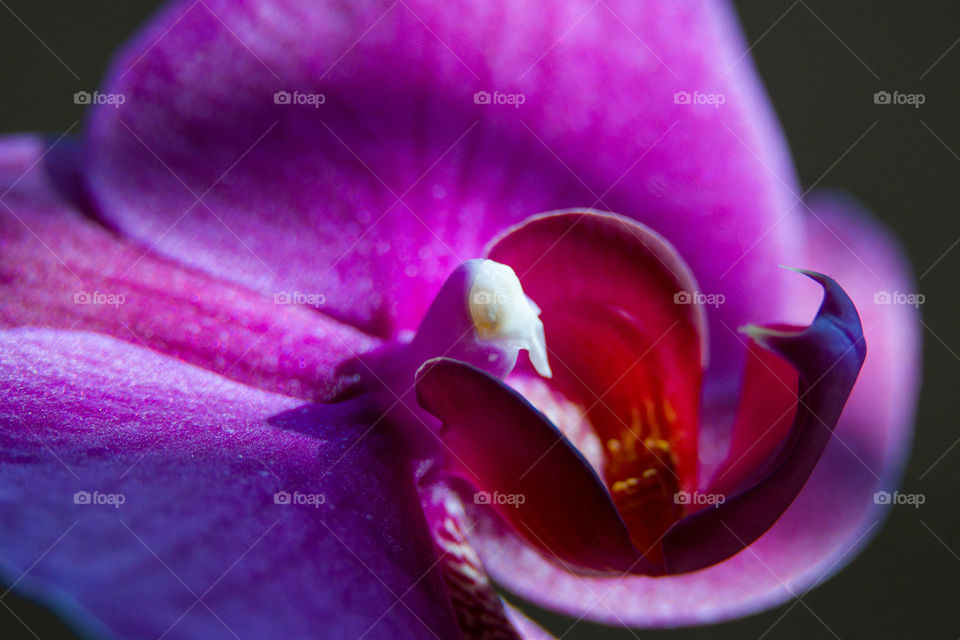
[821, 63]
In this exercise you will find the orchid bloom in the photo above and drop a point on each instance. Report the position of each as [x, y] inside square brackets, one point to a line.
[348, 312]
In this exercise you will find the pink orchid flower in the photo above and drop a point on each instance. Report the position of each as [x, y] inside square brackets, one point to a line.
[337, 315]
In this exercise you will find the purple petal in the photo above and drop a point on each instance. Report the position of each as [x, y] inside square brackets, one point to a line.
[197, 460]
[373, 197]
[834, 515]
[827, 356]
[60, 270]
[877, 425]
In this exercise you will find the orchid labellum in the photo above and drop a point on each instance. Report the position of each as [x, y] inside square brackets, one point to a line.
[310, 336]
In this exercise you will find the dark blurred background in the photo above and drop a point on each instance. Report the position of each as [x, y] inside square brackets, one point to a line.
[821, 62]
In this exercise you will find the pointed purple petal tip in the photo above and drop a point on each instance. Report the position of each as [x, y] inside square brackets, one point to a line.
[828, 356]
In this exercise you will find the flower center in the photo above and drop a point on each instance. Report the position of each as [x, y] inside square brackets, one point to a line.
[607, 365]
[640, 470]
[634, 457]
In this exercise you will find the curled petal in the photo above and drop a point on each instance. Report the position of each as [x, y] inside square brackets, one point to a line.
[499, 443]
[827, 356]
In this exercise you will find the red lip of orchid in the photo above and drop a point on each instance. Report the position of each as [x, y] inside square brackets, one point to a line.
[608, 307]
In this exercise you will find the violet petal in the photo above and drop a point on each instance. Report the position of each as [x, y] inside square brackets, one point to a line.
[198, 461]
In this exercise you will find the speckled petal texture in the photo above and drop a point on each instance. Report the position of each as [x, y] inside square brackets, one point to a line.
[59, 269]
[198, 460]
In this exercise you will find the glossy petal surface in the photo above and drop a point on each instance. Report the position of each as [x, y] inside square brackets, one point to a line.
[828, 356]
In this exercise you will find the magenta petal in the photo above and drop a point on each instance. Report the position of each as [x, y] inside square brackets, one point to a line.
[827, 355]
[60, 270]
[305, 197]
[198, 461]
[503, 446]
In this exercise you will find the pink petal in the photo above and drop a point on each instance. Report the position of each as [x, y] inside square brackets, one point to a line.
[768, 402]
[295, 197]
[58, 269]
